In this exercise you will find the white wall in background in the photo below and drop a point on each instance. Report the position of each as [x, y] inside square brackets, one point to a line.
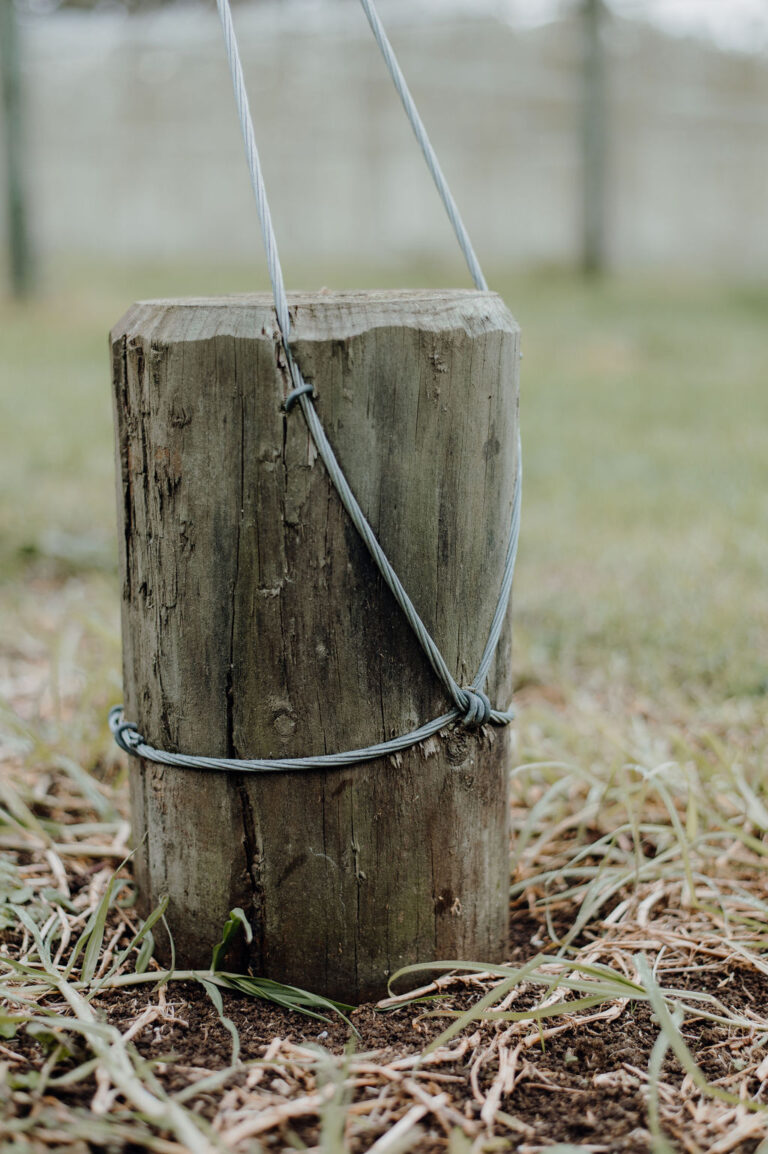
[136, 148]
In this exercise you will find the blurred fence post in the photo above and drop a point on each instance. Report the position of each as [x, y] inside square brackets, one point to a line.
[20, 257]
[594, 138]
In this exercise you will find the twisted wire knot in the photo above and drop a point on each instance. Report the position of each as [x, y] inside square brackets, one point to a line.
[294, 395]
[125, 733]
[478, 708]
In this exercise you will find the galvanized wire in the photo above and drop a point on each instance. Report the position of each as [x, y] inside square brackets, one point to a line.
[471, 705]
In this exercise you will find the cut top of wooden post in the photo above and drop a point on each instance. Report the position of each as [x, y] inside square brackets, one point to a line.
[296, 647]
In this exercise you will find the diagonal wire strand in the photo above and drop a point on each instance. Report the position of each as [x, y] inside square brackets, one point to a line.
[420, 132]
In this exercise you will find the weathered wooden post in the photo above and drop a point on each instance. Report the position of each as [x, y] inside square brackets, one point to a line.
[255, 624]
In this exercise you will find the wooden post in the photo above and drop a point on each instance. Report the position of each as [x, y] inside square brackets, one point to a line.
[19, 244]
[256, 625]
[594, 136]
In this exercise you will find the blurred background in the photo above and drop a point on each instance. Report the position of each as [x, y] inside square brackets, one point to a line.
[611, 161]
[651, 114]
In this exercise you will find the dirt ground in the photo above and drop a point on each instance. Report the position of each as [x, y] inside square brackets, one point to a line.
[582, 1082]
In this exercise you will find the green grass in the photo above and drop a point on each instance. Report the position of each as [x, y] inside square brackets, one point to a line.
[647, 482]
[645, 420]
[641, 629]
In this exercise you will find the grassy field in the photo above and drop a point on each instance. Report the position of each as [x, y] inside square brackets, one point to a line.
[641, 823]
